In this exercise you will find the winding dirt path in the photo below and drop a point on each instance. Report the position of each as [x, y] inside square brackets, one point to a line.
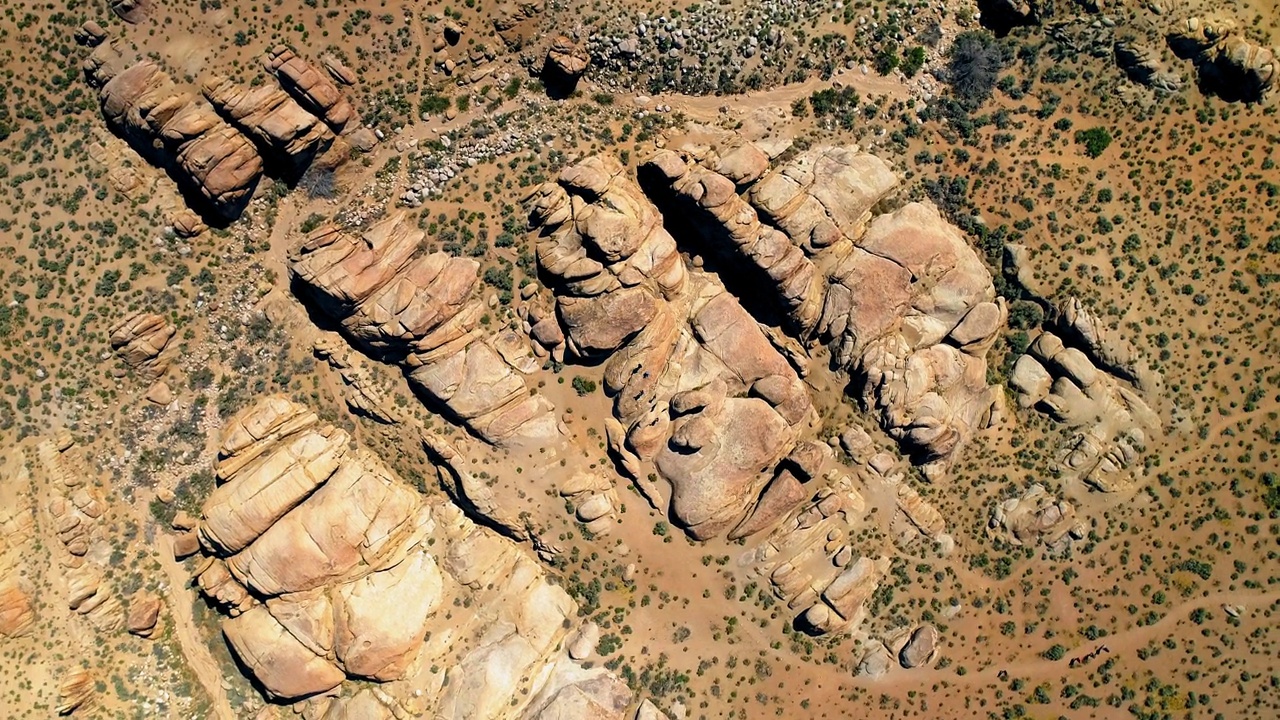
[703, 106]
[1126, 641]
[197, 654]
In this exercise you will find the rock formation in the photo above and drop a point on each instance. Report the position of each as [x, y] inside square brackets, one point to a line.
[17, 530]
[90, 34]
[329, 567]
[1037, 517]
[698, 389]
[74, 691]
[218, 160]
[1227, 61]
[144, 614]
[209, 157]
[1112, 420]
[312, 88]
[140, 341]
[291, 135]
[903, 301]
[565, 63]
[1143, 65]
[422, 311]
[76, 509]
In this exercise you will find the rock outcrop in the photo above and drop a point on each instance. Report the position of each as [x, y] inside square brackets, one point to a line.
[312, 88]
[699, 391]
[17, 531]
[329, 567]
[75, 691]
[1143, 65]
[144, 614]
[291, 136]
[1113, 422]
[209, 157]
[902, 300]
[140, 341]
[564, 64]
[1037, 517]
[1225, 58]
[421, 310]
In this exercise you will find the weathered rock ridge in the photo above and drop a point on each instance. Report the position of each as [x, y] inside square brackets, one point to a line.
[422, 311]
[327, 566]
[215, 149]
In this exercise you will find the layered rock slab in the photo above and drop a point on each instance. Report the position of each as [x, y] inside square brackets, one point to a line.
[420, 310]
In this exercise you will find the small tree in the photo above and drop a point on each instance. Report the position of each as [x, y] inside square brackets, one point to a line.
[975, 63]
[1095, 140]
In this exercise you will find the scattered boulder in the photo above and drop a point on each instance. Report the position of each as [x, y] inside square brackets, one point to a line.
[90, 34]
[1037, 517]
[187, 224]
[140, 341]
[921, 649]
[144, 613]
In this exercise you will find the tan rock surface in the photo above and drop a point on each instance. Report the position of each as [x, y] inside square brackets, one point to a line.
[423, 311]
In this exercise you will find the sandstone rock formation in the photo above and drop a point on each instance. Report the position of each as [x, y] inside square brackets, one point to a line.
[1112, 420]
[328, 567]
[422, 311]
[903, 301]
[291, 135]
[1037, 517]
[698, 389]
[312, 88]
[1228, 61]
[211, 159]
[140, 341]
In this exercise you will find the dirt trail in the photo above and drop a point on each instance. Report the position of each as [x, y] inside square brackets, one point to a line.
[1127, 641]
[704, 106]
[197, 655]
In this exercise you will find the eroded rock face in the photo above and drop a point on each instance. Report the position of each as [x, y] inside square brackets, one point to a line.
[140, 341]
[1225, 58]
[1113, 422]
[699, 391]
[902, 300]
[312, 88]
[1037, 517]
[173, 128]
[348, 567]
[421, 310]
[1143, 65]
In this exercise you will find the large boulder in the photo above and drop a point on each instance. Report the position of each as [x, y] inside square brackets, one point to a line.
[312, 88]
[140, 340]
[292, 135]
